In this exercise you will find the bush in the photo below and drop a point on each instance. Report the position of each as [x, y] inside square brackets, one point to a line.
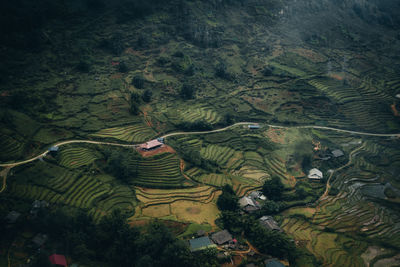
[122, 67]
[147, 96]
[187, 91]
[138, 81]
[83, 66]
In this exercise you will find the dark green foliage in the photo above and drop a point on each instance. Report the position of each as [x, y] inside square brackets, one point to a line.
[333, 191]
[274, 243]
[147, 96]
[273, 188]
[228, 199]
[195, 126]
[271, 207]
[138, 81]
[267, 71]
[83, 66]
[122, 67]
[135, 102]
[194, 157]
[222, 72]
[187, 91]
[119, 164]
[113, 45]
[114, 242]
[134, 109]
[42, 260]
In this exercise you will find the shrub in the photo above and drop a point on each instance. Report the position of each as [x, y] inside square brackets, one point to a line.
[138, 81]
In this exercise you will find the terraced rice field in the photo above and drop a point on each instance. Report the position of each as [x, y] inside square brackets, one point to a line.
[214, 179]
[160, 171]
[10, 147]
[200, 114]
[331, 248]
[222, 155]
[133, 134]
[149, 197]
[358, 104]
[120, 197]
[76, 157]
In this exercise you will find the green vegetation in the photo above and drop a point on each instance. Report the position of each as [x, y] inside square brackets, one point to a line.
[130, 71]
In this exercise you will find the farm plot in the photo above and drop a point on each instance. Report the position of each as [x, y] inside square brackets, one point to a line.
[215, 179]
[330, 248]
[121, 197]
[135, 133]
[200, 114]
[161, 171]
[75, 157]
[219, 154]
[10, 148]
[150, 197]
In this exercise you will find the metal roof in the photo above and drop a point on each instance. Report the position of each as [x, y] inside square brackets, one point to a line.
[221, 237]
[200, 243]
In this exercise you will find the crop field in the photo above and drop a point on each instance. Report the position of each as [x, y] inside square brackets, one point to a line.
[131, 134]
[160, 171]
[195, 204]
[76, 157]
[214, 179]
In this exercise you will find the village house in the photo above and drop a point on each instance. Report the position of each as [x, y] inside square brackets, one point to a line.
[39, 240]
[201, 243]
[315, 174]
[57, 259]
[269, 223]
[253, 126]
[273, 263]
[222, 237]
[153, 144]
[248, 205]
[337, 153]
[12, 217]
[257, 195]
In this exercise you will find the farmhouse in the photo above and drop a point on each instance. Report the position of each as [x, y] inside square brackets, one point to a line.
[221, 237]
[248, 205]
[269, 223]
[201, 243]
[273, 263]
[39, 240]
[337, 153]
[315, 174]
[12, 217]
[57, 259]
[254, 126]
[153, 144]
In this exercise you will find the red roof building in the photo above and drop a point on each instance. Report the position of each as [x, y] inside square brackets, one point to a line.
[151, 145]
[58, 260]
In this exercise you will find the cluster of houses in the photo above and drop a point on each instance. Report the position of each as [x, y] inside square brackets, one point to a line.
[225, 240]
[250, 203]
[315, 174]
[222, 238]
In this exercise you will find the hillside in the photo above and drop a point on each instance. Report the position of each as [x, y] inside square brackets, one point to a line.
[130, 71]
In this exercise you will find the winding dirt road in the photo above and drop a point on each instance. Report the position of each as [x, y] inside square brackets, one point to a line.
[328, 183]
[14, 164]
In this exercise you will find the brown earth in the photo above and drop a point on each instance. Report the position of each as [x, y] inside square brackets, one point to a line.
[162, 149]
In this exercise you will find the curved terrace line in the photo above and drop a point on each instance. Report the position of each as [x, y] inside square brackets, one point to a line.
[14, 164]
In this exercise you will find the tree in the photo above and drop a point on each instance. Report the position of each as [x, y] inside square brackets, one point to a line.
[122, 67]
[271, 207]
[147, 96]
[228, 199]
[273, 188]
[187, 91]
[138, 81]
